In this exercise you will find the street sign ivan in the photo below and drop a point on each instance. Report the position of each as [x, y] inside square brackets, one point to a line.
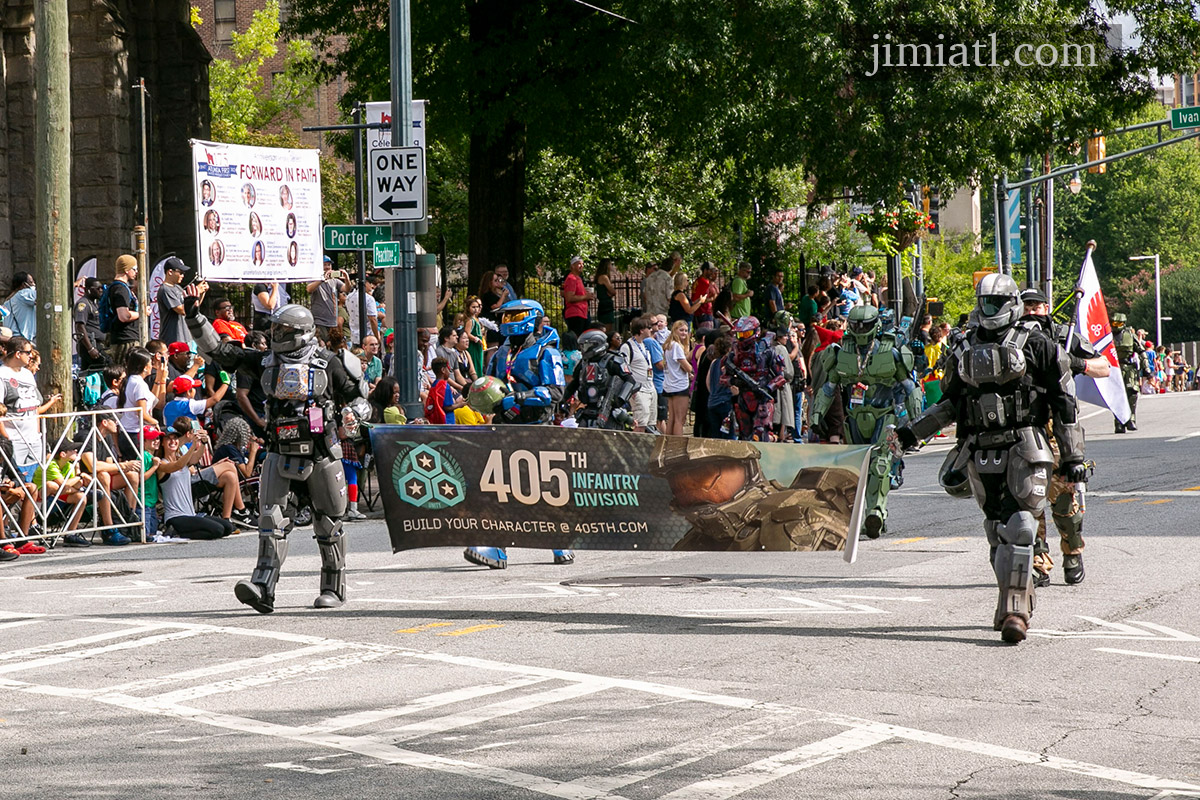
[397, 184]
[355, 237]
[387, 254]
[1182, 118]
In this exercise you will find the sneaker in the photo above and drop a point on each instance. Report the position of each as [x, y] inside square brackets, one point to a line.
[114, 538]
[493, 557]
[9, 553]
[1040, 577]
[1073, 569]
[30, 549]
[354, 515]
[564, 556]
[76, 540]
[244, 518]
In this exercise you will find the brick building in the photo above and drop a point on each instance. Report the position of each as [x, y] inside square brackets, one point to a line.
[113, 43]
[223, 17]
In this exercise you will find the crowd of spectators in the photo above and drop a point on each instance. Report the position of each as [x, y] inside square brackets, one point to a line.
[189, 436]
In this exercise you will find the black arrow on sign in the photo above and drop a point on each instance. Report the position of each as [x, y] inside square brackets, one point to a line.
[390, 204]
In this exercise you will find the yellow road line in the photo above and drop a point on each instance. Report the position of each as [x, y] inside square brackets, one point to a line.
[1157, 502]
[424, 627]
[1192, 489]
[1126, 500]
[913, 539]
[472, 629]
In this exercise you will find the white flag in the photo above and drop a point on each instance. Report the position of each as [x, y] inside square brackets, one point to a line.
[1091, 320]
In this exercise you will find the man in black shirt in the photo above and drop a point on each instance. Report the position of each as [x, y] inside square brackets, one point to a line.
[87, 326]
[123, 334]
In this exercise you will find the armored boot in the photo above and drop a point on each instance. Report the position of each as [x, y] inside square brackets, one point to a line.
[1118, 426]
[564, 556]
[1130, 426]
[1073, 568]
[493, 557]
[333, 570]
[259, 591]
[1013, 566]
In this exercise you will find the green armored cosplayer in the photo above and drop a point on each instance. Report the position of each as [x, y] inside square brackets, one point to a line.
[873, 372]
[1134, 366]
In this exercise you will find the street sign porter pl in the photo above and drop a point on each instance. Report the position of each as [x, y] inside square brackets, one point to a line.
[397, 183]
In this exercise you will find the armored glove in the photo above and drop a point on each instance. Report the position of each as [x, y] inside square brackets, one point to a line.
[1074, 471]
[908, 439]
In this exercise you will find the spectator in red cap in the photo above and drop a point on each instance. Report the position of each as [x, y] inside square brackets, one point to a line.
[185, 403]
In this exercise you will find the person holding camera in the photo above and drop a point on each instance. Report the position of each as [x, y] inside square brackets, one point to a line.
[174, 299]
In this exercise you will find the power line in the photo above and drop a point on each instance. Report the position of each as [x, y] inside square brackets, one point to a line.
[605, 11]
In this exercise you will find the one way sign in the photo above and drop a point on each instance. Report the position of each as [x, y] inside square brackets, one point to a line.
[397, 184]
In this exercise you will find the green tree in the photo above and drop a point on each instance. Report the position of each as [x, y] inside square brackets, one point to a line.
[1142, 205]
[1180, 288]
[738, 90]
[245, 112]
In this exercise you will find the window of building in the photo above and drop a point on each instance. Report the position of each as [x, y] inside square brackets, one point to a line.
[225, 18]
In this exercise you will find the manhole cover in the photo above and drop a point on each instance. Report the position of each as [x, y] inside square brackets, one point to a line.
[67, 576]
[631, 581]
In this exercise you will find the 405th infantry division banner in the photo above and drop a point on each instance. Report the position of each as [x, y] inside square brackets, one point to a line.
[258, 213]
[549, 487]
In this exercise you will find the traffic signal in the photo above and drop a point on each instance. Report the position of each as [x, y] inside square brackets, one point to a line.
[1095, 153]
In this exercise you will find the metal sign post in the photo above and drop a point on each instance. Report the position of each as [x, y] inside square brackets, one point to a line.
[403, 310]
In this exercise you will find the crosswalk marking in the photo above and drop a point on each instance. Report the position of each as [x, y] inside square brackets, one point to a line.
[779, 721]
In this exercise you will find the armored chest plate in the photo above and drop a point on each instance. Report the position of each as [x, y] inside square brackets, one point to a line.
[992, 363]
[295, 382]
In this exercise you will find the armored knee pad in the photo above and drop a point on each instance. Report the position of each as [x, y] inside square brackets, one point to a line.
[272, 551]
[1069, 520]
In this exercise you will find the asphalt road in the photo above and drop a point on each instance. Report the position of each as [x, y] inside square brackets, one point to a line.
[132, 672]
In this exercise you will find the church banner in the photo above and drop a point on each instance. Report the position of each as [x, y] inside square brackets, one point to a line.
[559, 488]
[258, 213]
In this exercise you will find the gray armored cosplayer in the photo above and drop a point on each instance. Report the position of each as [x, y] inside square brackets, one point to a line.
[1004, 381]
[310, 393]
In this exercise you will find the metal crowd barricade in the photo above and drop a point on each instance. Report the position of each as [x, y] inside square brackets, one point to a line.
[75, 425]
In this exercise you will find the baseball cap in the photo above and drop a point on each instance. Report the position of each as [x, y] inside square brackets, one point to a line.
[67, 445]
[576, 260]
[328, 260]
[175, 264]
[854, 273]
[184, 384]
[149, 433]
[1033, 296]
[175, 348]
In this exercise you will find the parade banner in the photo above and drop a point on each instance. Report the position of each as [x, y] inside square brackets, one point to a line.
[258, 213]
[567, 488]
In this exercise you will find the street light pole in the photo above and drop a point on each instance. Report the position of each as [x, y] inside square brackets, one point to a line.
[1157, 297]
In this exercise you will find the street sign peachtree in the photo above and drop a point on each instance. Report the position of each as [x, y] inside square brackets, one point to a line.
[355, 237]
[1182, 118]
[387, 254]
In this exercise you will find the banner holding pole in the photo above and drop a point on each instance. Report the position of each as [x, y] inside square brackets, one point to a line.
[258, 213]
[553, 487]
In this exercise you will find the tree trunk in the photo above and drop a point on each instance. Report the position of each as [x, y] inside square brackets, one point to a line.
[496, 212]
[496, 195]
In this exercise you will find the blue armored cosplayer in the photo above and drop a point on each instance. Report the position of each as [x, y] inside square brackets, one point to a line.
[529, 362]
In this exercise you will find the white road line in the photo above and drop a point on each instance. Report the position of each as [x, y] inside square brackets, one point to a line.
[1093, 414]
[274, 676]
[756, 774]
[79, 655]
[418, 730]
[425, 703]
[1191, 435]
[1147, 655]
[681, 755]
[586, 683]
[241, 665]
[69, 643]
[17, 623]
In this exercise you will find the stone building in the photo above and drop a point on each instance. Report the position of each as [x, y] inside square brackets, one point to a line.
[113, 44]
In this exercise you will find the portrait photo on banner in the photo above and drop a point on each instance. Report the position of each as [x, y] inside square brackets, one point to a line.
[258, 213]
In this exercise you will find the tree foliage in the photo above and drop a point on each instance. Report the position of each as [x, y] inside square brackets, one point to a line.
[555, 94]
[245, 112]
[1180, 288]
[1142, 205]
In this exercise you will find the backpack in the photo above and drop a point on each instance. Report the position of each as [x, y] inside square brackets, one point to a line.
[108, 314]
[105, 309]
